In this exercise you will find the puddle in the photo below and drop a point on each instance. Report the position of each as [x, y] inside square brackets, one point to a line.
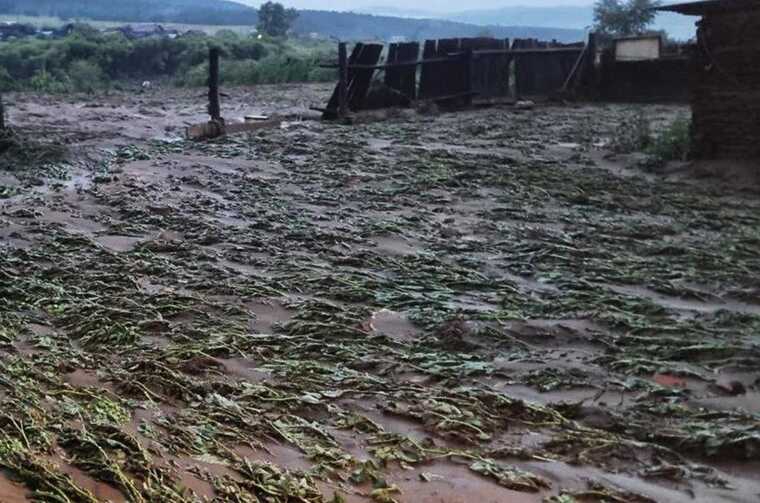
[590, 396]
[13, 492]
[245, 368]
[281, 455]
[453, 483]
[71, 223]
[191, 470]
[40, 330]
[679, 304]
[101, 490]
[191, 482]
[118, 243]
[529, 284]
[244, 269]
[81, 378]
[390, 423]
[470, 304]
[567, 326]
[570, 145]
[749, 402]
[565, 476]
[394, 246]
[268, 312]
[394, 325]
[378, 144]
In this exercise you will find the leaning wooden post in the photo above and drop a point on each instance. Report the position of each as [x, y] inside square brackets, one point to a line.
[342, 81]
[2, 114]
[214, 108]
[590, 80]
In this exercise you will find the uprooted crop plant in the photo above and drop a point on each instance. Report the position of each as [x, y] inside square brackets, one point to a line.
[431, 308]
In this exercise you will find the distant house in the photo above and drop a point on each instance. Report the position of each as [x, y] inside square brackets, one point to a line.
[137, 31]
[194, 33]
[64, 30]
[725, 78]
[10, 31]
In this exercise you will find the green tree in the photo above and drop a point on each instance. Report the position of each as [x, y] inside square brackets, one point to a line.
[624, 17]
[275, 20]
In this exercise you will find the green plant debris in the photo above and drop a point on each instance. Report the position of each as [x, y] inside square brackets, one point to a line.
[509, 476]
[375, 311]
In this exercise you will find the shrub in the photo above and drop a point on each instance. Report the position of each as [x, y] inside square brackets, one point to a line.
[632, 134]
[87, 60]
[673, 143]
[45, 82]
[87, 76]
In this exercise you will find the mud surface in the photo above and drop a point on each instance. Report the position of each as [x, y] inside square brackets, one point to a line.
[481, 306]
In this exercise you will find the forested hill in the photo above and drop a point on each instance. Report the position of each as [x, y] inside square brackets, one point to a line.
[161, 11]
[351, 26]
[343, 25]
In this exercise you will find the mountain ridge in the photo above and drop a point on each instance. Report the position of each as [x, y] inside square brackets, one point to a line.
[563, 17]
[330, 24]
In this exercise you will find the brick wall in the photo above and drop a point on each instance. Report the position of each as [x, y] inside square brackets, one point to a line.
[725, 82]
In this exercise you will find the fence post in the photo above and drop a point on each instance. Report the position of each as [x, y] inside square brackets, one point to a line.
[342, 81]
[468, 75]
[589, 79]
[214, 108]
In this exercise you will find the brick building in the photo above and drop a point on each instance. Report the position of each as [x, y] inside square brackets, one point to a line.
[725, 78]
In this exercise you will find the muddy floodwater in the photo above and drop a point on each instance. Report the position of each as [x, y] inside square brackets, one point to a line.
[482, 306]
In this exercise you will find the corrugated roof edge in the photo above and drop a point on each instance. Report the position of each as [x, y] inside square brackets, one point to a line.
[710, 7]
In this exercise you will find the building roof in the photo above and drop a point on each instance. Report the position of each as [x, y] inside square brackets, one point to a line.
[711, 7]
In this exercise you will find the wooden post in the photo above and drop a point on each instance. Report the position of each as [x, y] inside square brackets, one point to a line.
[469, 73]
[578, 69]
[589, 78]
[214, 108]
[342, 81]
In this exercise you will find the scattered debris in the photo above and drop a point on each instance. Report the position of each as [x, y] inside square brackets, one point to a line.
[401, 309]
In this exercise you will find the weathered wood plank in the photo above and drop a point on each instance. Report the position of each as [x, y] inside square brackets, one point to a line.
[214, 129]
[342, 80]
[429, 76]
[360, 79]
[333, 103]
[452, 74]
[403, 78]
[490, 68]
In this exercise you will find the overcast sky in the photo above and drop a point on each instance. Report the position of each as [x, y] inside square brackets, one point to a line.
[430, 5]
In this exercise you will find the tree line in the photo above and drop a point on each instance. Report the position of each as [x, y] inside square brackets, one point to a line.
[89, 60]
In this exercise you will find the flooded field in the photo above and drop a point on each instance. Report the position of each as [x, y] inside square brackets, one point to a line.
[474, 306]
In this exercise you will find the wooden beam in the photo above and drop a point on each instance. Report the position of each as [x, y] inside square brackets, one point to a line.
[214, 129]
[453, 56]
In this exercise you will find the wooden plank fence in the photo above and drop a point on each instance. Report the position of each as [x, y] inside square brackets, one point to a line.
[403, 78]
[459, 71]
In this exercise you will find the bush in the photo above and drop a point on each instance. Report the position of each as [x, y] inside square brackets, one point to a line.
[87, 76]
[673, 143]
[632, 134]
[87, 60]
[273, 69]
[45, 82]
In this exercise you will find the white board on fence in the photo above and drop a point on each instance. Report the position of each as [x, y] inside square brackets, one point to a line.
[637, 48]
